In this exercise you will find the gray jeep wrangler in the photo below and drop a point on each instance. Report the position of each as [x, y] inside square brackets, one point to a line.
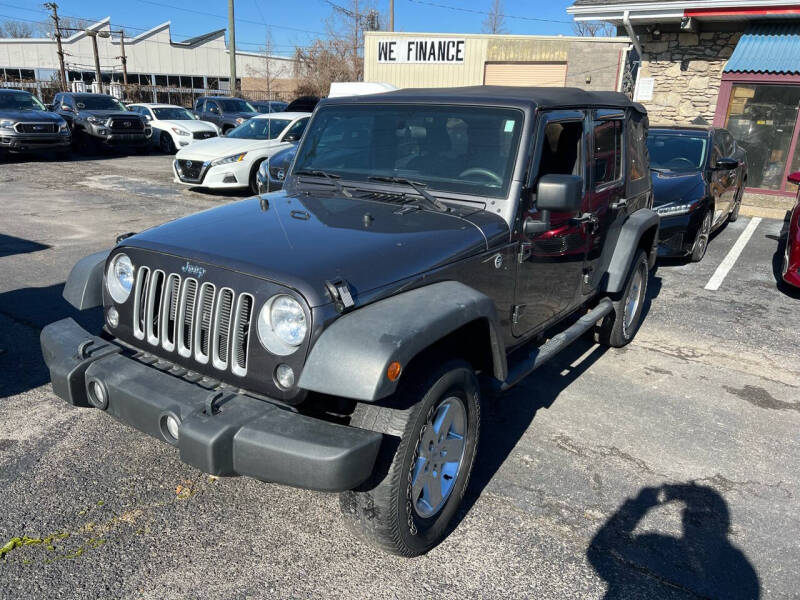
[430, 247]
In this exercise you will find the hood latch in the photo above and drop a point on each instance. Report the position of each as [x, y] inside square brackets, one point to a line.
[339, 290]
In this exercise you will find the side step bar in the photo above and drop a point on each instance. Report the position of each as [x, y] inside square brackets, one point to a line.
[554, 345]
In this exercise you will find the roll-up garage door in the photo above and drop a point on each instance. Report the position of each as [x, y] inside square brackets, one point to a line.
[532, 74]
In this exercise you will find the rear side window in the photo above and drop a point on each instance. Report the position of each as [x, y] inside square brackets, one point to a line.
[561, 149]
[637, 147]
[607, 160]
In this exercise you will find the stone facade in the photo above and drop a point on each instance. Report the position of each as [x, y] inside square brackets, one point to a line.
[687, 68]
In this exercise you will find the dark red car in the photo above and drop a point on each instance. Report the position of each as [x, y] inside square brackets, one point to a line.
[791, 259]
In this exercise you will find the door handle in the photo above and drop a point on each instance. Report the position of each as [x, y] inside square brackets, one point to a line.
[619, 204]
[585, 218]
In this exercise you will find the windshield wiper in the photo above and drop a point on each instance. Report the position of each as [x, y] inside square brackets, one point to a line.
[334, 179]
[430, 199]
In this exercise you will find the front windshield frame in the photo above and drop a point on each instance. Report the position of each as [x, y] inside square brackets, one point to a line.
[37, 104]
[80, 103]
[513, 120]
[704, 137]
[159, 111]
[227, 105]
[240, 130]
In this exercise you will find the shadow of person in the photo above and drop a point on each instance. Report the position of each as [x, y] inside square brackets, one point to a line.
[701, 563]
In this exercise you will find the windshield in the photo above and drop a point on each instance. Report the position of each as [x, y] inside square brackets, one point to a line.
[676, 151]
[461, 149]
[19, 101]
[235, 105]
[259, 129]
[173, 114]
[98, 103]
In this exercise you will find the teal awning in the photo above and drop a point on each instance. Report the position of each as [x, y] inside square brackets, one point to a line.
[767, 48]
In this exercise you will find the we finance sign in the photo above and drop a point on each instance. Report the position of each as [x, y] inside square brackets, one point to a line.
[421, 50]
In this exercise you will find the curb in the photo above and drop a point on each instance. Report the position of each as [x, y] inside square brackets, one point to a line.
[763, 211]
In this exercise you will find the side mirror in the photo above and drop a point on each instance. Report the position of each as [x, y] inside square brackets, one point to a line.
[66, 108]
[726, 164]
[291, 137]
[555, 193]
[794, 178]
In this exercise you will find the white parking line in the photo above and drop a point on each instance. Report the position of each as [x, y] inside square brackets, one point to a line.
[727, 264]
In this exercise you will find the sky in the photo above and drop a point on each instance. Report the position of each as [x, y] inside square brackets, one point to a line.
[297, 23]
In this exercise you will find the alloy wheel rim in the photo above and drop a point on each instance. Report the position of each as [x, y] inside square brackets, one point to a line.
[440, 454]
[633, 299]
[702, 237]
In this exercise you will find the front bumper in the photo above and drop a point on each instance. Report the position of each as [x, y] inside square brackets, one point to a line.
[31, 143]
[676, 233]
[233, 434]
[228, 176]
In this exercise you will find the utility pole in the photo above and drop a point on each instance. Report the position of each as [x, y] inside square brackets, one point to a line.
[54, 8]
[232, 46]
[97, 76]
[391, 15]
[123, 58]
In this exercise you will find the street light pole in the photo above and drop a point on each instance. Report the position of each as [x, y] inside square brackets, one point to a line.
[391, 15]
[232, 46]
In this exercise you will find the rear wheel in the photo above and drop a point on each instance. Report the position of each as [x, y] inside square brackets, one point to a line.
[618, 328]
[417, 485]
[166, 144]
[701, 240]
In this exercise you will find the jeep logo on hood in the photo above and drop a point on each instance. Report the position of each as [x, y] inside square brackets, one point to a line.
[196, 270]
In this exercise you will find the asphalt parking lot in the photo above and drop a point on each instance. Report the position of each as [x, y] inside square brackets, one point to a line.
[667, 469]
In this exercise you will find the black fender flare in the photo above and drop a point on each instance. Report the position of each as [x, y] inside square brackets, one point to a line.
[351, 357]
[84, 286]
[641, 224]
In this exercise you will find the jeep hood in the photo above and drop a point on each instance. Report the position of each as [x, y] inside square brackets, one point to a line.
[674, 186]
[302, 241]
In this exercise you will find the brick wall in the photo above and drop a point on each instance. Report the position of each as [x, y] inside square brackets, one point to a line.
[687, 68]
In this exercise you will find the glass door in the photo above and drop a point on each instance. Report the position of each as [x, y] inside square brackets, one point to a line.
[763, 119]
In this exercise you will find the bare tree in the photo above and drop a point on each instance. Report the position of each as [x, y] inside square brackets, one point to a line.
[340, 55]
[267, 72]
[17, 29]
[593, 29]
[495, 21]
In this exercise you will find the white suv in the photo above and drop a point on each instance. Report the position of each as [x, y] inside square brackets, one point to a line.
[174, 127]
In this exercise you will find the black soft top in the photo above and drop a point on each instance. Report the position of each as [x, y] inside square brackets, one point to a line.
[529, 98]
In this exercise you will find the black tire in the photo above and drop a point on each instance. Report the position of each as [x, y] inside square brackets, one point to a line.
[381, 511]
[701, 239]
[618, 328]
[737, 205]
[253, 182]
[166, 144]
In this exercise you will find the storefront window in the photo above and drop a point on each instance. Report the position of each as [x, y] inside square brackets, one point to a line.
[762, 118]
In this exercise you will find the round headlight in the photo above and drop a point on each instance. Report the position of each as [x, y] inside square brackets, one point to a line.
[119, 279]
[282, 325]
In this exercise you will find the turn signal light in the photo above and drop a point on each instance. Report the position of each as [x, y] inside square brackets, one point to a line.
[394, 370]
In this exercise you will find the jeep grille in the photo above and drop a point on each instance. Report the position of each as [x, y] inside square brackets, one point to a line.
[198, 321]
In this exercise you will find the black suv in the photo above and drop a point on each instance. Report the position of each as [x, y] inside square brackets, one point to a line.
[100, 119]
[332, 335]
[225, 112]
[25, 125]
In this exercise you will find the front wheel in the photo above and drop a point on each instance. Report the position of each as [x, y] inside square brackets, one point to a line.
[618, 328]
[424, 465]
[166, 144]
[701, 240]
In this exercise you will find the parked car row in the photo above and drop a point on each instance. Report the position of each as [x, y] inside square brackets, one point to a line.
[91, 122]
